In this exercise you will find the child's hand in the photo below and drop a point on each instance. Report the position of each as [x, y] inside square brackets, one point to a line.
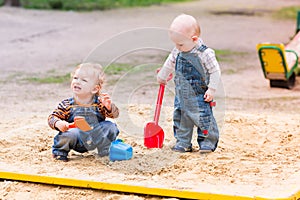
[209, 95]
[63, 126]
[161, 81]
[105, 100]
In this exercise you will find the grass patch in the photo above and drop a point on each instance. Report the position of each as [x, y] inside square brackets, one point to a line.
[229, 57]
[67, 4]
[49, 79]
[279, 99]
[229, 71]
[88, 5]
[130, 72]
[117, 68]
[225, 55]
[287, 12]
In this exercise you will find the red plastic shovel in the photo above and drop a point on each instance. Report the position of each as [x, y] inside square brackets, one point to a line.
[153, 133]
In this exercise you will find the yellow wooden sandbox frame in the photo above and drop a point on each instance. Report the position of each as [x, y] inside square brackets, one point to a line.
[164, 192]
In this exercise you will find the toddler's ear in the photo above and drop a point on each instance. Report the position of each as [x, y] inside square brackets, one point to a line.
[96, 89]
[195, 38]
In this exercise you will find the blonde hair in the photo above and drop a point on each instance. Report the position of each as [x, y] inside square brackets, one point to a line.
[94, 70]
[187, 22]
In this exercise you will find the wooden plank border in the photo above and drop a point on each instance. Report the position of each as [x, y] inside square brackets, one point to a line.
[163, 192]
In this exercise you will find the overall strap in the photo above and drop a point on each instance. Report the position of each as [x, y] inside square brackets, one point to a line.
[71, 100]
[202, 48]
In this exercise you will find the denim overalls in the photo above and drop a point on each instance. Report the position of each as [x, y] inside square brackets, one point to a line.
[100, 137]
[190, 109]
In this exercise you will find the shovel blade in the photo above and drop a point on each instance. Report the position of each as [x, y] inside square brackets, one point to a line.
[153, 135]
[82, 124]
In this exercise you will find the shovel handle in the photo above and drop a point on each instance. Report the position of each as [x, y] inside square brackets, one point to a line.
[159, 103]
[72, 125]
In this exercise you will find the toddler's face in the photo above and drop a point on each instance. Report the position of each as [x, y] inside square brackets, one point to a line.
[182, 42]
[83, 83]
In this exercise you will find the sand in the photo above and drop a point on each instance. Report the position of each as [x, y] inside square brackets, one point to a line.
[258, 152]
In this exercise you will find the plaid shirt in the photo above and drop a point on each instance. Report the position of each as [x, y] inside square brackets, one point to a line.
[207, 59]
[63, 111]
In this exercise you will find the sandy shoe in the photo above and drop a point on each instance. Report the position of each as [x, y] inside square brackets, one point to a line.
[205, 150]
[178, 148]
[61, 158]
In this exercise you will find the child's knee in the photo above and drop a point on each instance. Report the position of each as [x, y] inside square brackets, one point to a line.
[69, 136]
[113, 130]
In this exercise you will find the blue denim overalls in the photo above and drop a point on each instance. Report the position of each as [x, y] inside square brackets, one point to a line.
[190, 109]
[100, 137]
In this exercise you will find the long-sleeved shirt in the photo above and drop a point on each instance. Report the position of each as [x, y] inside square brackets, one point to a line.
[208, 61]
[63, 111]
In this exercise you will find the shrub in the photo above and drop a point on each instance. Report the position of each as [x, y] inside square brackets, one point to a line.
[1, 2]
[88, 4]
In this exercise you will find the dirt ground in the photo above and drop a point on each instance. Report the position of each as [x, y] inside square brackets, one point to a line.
[259, 149]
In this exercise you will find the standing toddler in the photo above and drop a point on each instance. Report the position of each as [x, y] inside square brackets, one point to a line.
[197, 75]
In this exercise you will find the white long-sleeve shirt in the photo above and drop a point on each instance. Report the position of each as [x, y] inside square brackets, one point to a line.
[208, 61]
